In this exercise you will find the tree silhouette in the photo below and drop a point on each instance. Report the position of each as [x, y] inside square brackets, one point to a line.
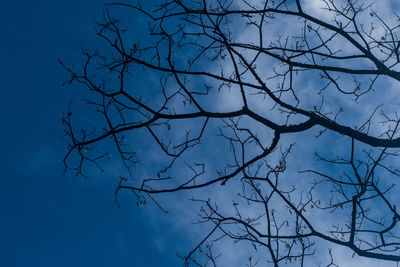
[286, 107]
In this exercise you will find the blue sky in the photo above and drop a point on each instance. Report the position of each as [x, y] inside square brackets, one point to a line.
[48, 219]
[51, 219]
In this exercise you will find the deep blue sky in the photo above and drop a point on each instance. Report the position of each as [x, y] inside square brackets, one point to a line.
[48, 219]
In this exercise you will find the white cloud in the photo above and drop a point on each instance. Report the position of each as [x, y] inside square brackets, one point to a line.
[213, 152]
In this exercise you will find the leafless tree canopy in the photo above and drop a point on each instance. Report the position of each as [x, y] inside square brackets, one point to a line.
[286, 107]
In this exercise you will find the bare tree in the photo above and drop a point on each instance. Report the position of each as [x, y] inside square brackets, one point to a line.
[288, 107]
